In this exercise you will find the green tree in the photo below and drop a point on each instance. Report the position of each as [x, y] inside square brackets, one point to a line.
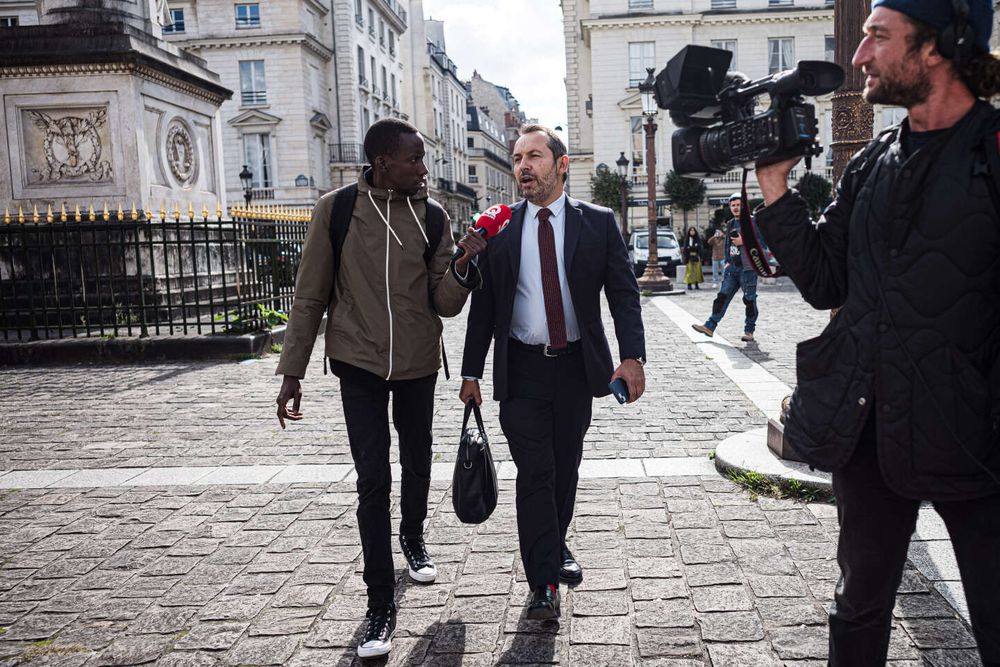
[686, 194]
[606, 189]
[816, 191]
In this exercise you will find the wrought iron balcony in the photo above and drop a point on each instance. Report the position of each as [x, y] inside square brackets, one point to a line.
[347, 154]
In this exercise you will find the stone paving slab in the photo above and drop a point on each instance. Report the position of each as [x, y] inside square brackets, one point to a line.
[692, 569]
[209, 575]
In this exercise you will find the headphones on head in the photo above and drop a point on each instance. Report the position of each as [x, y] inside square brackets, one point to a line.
[957, 40]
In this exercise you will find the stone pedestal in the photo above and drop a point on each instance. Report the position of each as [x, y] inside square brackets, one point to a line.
[778, 445]
[103, 110]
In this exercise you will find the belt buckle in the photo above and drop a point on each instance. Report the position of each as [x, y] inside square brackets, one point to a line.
[547, 352]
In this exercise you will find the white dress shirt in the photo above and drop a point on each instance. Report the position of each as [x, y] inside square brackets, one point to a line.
[529, 323]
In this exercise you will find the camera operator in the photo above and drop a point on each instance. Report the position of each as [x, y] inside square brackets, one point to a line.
[900, 395]
[738, 275]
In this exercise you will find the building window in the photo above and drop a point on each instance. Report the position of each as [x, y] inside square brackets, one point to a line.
[829, 48]
[371, 22]
[11, 22]
[362, 80]
[371, 60]
[780, 54]
[638, 145]
[252, 85]
[727, 45]
[640, 56]
[176, 22]
[392, 78]
[385, 82]
[248, 16]
[640, 4]
[257, 156]
[359, 13]
[366, 121]
[780, 3]
[392, 43]
[381, 32]
[723, 4]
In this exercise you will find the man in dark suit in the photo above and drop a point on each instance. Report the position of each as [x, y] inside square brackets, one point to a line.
[540, 303]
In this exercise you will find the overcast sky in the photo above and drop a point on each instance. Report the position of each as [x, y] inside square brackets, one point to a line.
[513, 43]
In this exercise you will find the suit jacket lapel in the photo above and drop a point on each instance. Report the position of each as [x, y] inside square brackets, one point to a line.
[571, 233]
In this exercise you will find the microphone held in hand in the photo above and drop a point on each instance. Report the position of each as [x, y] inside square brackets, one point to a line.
[490, 223]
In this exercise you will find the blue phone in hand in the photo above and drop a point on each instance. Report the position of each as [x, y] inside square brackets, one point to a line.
[619, 389]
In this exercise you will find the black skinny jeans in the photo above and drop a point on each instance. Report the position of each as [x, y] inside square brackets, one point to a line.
[875, 529]
[366, 398]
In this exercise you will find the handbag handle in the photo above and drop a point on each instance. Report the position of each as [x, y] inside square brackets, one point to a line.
[472, 407]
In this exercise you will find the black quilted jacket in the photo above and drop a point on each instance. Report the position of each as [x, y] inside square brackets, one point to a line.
[912, 255]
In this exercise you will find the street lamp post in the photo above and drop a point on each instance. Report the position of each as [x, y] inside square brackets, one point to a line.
[246, 179]
[652, 278]
[622, 163]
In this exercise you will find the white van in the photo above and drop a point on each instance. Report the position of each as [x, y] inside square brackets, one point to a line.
[667, 250]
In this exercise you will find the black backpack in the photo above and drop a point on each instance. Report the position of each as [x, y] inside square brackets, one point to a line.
[343, 211]
[340, 222]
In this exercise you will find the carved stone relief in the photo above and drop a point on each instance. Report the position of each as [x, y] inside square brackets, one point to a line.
[182, 157]
[67, 145]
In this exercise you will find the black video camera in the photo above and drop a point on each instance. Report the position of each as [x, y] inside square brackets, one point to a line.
[715, 110]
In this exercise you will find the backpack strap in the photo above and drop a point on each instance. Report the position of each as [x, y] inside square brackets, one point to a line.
[434, 221]
[340, 221]
[869, 155]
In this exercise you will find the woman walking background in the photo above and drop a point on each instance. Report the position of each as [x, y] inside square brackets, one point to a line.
[692, 255]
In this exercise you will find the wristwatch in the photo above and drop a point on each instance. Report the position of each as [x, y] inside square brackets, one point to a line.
[641, 360]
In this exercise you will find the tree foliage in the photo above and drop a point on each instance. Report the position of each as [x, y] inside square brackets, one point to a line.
[606, 188]
[816, 191]
[686, 194]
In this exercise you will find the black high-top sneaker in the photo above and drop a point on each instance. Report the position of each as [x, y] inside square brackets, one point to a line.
[377, 640]
[421, 566]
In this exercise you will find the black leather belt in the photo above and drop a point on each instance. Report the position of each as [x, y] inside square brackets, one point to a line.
[547, 351]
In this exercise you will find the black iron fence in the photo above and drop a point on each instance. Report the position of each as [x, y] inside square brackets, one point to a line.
[134, 273]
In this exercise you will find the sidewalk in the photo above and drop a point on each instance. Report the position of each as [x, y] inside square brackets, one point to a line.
[182, 527]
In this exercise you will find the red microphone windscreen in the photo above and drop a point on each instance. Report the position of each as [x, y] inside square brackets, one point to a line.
[494, 219]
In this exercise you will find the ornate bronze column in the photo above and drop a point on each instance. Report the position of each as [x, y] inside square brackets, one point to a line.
[852, 116]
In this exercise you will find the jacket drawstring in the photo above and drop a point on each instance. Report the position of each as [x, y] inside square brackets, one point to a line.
[417, 220]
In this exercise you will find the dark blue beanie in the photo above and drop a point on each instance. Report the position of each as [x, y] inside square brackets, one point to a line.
[939, 13]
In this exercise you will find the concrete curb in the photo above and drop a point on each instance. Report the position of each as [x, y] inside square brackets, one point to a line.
[748, 452]
[130, 350]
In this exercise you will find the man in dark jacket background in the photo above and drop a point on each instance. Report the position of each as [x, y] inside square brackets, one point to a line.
[738, 275]
[900, 395]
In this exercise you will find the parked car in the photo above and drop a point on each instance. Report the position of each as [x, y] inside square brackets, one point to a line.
[667, 250]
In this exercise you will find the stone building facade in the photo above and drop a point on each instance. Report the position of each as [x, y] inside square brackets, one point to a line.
[490, 169]
[15, 13]
[437, 98]
[369, 77]
[95, 107]
[276, 57]
[500, 104]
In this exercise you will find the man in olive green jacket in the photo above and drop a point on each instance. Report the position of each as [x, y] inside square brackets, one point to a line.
[383, 336]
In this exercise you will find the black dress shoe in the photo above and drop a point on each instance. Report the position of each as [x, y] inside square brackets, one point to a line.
[544, 603]
[570, 572]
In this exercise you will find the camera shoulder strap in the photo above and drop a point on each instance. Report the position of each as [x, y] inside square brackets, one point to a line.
[753, 244]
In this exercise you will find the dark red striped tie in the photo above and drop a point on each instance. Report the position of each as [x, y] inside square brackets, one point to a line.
[550, 281]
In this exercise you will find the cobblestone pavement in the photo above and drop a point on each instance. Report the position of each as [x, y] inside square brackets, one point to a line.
[680, 571]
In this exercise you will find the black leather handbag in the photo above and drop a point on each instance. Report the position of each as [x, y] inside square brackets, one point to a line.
[474, 484]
